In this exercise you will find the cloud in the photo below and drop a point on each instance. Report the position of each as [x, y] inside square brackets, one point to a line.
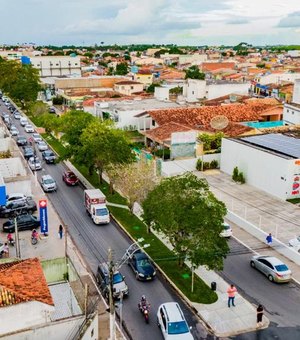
[292, 20]
[238, 21]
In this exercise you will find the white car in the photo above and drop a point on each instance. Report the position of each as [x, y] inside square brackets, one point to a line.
[17, 115]
[42, 146]
[15, 197]
[295, 243]
[29, 128]
[227, 231]
[14, 131]
[23, 121]
[34, 163]
[36, 137]
[172, 323]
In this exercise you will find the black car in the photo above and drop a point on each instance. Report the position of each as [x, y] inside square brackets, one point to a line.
[28, 152]
[22, 140]
[142, 266]
[51, 109]
[49, 156]
[24, 222]
[18, 207]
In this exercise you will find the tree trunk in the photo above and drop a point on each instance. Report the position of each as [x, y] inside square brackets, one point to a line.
[111, 187]
[91, 170]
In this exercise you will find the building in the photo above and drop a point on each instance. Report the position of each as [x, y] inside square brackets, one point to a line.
[269, 162]
[194, 59]
[57, 66]
[128, 87]
[291, 111]
[144, 77]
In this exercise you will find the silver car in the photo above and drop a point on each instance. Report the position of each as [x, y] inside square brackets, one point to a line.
[42, 146]
[272, 267]
[34, 163]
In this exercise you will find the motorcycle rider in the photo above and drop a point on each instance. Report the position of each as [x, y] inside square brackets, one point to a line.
[10, 239]
[144, 303]
[34, 234]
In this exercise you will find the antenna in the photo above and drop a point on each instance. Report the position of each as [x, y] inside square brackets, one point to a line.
[219, 122]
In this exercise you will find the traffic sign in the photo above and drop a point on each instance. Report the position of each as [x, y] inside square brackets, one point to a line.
[43, 216]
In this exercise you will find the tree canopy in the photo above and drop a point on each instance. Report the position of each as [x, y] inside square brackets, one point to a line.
[122, 69]
[193, 72]
[184, 209]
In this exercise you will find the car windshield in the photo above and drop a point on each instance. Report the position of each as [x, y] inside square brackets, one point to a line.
[281, 268]
[226, 226]
[48, 181]
[144, 263]
[101, 212]
[117, 278]
[179, 327]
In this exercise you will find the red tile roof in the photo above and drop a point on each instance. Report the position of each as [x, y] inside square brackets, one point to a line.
[216, 66]
[127, 82]
[23, 281]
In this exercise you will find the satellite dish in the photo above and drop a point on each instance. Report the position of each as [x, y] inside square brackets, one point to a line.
[219, 122]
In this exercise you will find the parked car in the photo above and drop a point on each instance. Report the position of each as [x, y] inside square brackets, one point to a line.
[273, 268]
[23, 121]
[15, 197]
[142, 266]
[24, 222]
[19, 207]
[17, 115]
[171, 321]
[21, 140]
[295, 243]
[70, 178]
[227, 231]
[51, 109]
[14, 131]
[28, 152]
[36, 137]
[119, 284]
[29, 128]
[42, 146]
[48, 183]
[49, 156]
[34, 163]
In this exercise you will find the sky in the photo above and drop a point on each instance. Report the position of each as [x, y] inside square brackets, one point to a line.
[181, 22]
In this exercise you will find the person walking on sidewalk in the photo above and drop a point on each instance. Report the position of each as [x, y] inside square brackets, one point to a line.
[259, 315]
[60, 231]
[269, 239]
[231, 295]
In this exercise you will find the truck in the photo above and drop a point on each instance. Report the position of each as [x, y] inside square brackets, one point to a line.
[95, 205]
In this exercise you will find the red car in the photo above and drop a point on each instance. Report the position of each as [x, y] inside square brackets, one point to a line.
[70, 178]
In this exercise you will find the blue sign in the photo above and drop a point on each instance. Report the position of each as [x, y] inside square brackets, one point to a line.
[2, 195]
[43, 216]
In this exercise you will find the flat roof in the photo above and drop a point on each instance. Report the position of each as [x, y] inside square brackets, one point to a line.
[277, 142]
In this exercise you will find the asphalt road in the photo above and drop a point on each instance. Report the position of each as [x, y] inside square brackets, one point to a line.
[281, 301]
[94, 241]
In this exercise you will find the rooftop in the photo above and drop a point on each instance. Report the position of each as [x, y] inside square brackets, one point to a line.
[23, 281]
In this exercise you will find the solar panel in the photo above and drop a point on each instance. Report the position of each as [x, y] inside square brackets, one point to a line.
[278, 142]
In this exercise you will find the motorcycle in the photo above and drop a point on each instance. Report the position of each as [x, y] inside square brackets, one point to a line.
[34, 240]
[10, 241]
[144, 309]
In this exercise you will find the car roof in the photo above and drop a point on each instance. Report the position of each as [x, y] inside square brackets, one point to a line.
[140, 255]
[47, 177]
[273, 260]
[173, 311]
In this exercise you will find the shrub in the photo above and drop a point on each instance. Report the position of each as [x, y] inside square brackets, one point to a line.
[57, 100]
[241, 178]
[199, 164]
[206, 165]
[235, 174]
[214, 164]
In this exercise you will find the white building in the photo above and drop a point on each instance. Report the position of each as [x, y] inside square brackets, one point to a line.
[269, 162]
[194, 59]
[128, 87]
[57, 66]
[291, 111]
[277, 78]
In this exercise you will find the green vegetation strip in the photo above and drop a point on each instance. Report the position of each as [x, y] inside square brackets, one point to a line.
[165, 258]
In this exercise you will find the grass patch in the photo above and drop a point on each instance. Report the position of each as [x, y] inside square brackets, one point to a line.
[294, 200]
[166, 259]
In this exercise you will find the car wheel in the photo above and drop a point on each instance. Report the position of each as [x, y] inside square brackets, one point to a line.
[252, 264]
[157, 321]
[270, 277]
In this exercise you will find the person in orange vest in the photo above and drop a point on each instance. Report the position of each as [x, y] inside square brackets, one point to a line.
[231, 294]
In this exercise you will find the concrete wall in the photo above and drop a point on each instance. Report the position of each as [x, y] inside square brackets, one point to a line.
[194, 90]
[54, 269]
[262, 169]
[276, 78]
[58, 330]
[291, 114]
[12, 167]
[296, 92]
[161, 93]
[18, 184]
[219, 90]
[95, 82]
[5, 144]
[25, 315]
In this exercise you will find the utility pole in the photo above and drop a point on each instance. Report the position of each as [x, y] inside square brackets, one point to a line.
[18, 252]
[112, 320]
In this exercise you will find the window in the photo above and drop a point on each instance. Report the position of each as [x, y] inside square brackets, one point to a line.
[163, 318]
[153, 122]
[131, 87]
[92, 333]
[76, 64]
[287, 110]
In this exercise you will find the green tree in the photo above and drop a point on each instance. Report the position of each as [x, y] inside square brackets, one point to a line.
[88, 54]
[122, 69]
[184, 209]
[38, 108]
[50, 122]
[193, 72]
[151, 88]
[103, 146]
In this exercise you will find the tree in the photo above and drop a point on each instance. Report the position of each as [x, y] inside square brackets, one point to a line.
[134, 180]
[184, 209]
[193, 72]
[38, 108]
[50, 122]
[88, 54]
[122, 69]
[103, 146]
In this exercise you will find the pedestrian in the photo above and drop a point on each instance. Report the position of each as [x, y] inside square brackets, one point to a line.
[269, 239]
[231, 295]
[60, 231]
[6, 250]
[259, 315]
